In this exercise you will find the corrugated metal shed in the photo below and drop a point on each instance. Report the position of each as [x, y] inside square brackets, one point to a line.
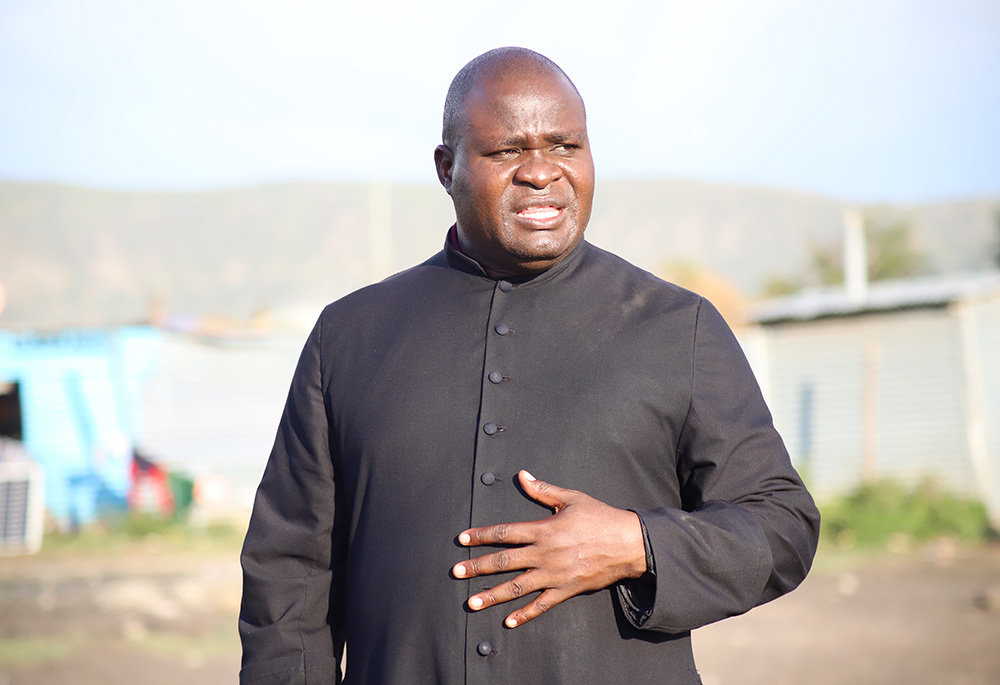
[205, 407]
[213, 405]
[888, 295]
[904, 383]
[78, 395]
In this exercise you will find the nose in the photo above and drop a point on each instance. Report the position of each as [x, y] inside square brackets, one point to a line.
[538, 170]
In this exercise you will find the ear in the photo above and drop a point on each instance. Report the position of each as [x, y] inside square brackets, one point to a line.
[444, 161]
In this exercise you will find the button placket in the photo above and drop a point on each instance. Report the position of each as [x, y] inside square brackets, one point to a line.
[491, 492]
[495, 376]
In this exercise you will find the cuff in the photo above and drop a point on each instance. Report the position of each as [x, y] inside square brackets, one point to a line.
[638, 595]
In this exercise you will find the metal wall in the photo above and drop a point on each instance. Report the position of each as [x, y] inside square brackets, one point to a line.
[980, 322]
[213, 406]
[80, 411]
[872, 396]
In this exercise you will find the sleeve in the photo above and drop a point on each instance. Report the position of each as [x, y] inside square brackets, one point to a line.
[291, 617]
[748, 528]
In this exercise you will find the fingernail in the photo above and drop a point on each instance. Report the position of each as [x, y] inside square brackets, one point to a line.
[459, 570]
[464, 539]
[527, 475]
[476, 602]
[511, 622]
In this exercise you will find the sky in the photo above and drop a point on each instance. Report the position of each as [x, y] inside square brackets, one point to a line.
[861, 100]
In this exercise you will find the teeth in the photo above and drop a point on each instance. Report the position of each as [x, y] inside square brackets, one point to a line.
[539, 213]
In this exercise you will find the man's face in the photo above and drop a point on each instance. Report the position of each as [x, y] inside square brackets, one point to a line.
[521, 175]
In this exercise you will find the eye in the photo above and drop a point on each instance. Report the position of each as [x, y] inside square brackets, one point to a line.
[507, 153]
[564, 148]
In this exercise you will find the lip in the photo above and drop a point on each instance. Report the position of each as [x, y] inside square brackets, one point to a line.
[541, 213]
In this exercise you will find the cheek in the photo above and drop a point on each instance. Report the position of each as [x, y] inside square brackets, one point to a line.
[583, 185]
[492, 195]
[466, 195]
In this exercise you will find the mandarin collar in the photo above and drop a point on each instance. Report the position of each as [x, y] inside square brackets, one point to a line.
[461, 262]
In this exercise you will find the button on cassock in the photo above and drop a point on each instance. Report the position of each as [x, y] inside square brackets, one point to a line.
[490, 428]
[506, 286]
[502, 329]
[495, 376]
[484, 648]
[488, 478]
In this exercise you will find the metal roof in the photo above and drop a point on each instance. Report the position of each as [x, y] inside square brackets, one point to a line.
[881, 296]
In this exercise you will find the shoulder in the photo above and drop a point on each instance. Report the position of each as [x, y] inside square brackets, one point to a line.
[394, 289]
[633, 286]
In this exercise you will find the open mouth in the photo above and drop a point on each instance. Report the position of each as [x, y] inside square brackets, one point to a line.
[540, 214]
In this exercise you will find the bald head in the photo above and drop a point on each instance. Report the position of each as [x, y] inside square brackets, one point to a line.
[519, 62]
[516, 162]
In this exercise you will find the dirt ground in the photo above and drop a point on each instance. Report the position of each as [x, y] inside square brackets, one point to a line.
[156, 614]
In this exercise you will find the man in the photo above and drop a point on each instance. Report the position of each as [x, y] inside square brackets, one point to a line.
[398, 511]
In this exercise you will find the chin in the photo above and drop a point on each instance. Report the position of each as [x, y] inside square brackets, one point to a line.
[545, 250]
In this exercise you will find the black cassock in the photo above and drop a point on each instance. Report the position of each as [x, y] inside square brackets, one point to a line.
[415, 403]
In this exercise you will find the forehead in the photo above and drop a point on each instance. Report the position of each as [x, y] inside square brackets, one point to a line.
[511, 100]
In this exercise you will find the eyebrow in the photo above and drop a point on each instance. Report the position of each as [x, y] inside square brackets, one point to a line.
[517, 141]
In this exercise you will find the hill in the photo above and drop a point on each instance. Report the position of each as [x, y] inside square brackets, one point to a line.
[73, 255]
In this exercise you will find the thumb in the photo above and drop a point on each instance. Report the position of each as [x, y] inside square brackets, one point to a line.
[552, 496]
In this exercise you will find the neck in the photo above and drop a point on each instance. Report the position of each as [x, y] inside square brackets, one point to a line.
[515, 272]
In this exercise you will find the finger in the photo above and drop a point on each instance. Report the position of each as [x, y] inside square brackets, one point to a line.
[548, 494]
[514, 559]
[514, 588]
[535, 608]
[498, 534]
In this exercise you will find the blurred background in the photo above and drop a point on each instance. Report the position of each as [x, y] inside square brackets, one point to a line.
[184, 185]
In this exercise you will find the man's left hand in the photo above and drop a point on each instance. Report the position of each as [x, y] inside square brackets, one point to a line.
[585, 546]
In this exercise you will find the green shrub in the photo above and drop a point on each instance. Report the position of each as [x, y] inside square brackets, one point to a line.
[121, 530]
[877, 512]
